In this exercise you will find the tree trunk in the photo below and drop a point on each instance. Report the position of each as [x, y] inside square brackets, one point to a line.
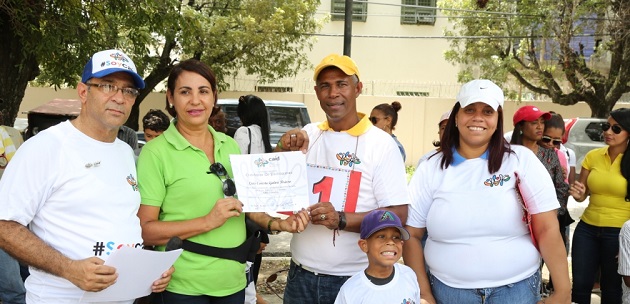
[20, 67]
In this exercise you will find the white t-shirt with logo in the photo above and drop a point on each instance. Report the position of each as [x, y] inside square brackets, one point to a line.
[477, 236]
[79, 195]
[382, 184]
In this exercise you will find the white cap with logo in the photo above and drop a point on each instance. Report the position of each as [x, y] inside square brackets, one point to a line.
[481, 90]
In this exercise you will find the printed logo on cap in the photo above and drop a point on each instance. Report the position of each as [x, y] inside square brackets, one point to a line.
[119, 61]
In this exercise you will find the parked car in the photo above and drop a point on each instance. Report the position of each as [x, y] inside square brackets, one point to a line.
[283, 116]
[583, 134]
[50, 114]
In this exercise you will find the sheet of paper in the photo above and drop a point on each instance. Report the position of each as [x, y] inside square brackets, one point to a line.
[271, 182]
[137, 270]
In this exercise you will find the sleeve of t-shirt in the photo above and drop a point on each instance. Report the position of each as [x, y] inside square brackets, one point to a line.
[242, 139]
[28, 180]
[588, 159]
[151, 177]
[390, 178]
[624, 250]
[572, 160]
[341, 296]
[420, 198]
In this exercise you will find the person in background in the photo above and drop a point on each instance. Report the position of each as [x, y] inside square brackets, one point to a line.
[91, 173]
[129, 136]
[154, 123]
[186, 191]
[436, 143]
[253, 136]
[384, 280]
[385, 117]
[218, 121]
[479, 249]
[624, 261]
[11, 286]
[326, 254]
[603, 177]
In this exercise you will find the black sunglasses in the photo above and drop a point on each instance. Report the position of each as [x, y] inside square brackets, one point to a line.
[229, 188]
[547, 139]
[374, 120]
[615, 128]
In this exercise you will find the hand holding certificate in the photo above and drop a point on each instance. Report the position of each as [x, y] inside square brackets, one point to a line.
[271, 182]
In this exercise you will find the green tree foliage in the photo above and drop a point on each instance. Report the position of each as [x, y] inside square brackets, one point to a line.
[537, 43]
[49, 41]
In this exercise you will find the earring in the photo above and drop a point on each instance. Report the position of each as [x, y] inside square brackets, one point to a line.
[520, 132]
[170, 105]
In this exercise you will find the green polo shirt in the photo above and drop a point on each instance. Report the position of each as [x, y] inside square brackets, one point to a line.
[172, 175]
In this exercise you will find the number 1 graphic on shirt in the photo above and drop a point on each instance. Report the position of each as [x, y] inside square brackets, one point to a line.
[325, 185]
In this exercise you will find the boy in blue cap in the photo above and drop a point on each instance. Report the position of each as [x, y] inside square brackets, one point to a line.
[385, 280]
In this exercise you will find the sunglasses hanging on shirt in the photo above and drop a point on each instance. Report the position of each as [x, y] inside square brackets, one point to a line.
[229, 188]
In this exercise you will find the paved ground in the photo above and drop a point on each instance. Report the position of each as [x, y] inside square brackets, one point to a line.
[277, 253]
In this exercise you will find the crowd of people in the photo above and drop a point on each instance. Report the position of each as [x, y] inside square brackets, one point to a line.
[495, 205]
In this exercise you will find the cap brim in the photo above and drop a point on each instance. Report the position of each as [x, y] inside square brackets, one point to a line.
[478, 98]
[138, 81]
[319, 69]
[404, 234]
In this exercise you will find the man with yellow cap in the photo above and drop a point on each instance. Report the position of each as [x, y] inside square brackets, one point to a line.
[326, 254]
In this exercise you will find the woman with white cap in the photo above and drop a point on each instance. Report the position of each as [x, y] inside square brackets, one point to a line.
[479, 249]
[603, 177]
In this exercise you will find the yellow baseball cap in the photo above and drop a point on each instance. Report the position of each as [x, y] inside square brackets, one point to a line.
[344, 63]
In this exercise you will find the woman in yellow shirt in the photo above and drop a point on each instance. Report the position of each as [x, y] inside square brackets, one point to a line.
[604, 176]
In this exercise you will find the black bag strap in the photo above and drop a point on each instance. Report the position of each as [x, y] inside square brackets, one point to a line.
[242, 253]
[249, 146]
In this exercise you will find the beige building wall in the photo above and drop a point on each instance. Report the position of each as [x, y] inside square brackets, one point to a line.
[417, 120]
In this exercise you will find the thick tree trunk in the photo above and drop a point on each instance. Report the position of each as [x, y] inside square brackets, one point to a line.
[20, 67]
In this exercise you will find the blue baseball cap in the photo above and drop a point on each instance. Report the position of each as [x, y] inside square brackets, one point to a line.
[379, 220]
[111, 61]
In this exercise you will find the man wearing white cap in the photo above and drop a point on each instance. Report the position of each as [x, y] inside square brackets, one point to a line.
[75, 185]
[326, 254]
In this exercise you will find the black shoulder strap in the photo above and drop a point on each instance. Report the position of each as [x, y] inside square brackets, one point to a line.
[249, 146]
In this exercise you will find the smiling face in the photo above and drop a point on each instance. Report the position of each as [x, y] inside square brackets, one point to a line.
[337, 94]
[192, 99]
[476, 123]
[383, 249]
[105, 112]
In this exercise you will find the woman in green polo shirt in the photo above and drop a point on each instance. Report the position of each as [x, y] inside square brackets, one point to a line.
[186, 190]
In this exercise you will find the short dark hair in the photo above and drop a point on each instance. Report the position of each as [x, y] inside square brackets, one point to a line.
[251, 110]
[497, 147]
[155, 120]
[190, 65]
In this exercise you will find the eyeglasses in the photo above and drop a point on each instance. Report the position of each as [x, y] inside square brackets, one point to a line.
[547, 139]
[229, 188]
[106, 88]
[374, 119]
[615, 128]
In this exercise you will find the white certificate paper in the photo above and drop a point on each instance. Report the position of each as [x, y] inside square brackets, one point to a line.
[137, 270]
[271, 182]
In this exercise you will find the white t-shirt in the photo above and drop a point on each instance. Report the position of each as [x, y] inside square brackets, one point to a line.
[383, 184]
[79, 195]
[242, 138]
[478, 238]
[624, 259]
[571, 161]
[402, 289]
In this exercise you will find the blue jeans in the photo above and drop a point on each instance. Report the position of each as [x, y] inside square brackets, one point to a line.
[168, 297]
[304, 286]
[11, 286]
[526, 291]
[595, 247]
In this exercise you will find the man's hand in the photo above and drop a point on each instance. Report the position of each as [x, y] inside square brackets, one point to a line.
[296, 222]
[324, 213]
[160, 284]
[90, 274]
[293, 140]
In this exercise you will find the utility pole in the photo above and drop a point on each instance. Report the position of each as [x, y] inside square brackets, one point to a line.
[347, 29]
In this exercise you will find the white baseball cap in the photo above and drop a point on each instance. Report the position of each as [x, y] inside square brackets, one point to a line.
[111, 61]
[481, 90]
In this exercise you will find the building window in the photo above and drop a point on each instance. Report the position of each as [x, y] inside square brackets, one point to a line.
[418, 15]
[359, 10]
[412, 93]
[273, 89]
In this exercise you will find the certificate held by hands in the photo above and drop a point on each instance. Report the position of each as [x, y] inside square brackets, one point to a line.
[271, 182]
